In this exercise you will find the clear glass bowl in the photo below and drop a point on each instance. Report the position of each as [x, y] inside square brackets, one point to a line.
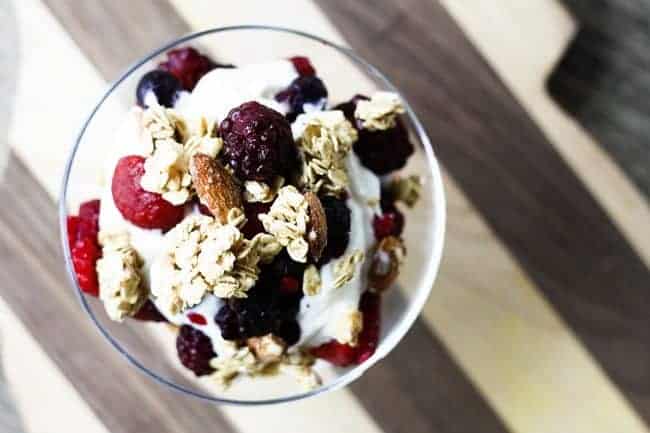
[150, 346]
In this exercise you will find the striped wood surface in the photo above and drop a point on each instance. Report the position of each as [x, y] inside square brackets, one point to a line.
[509, 342]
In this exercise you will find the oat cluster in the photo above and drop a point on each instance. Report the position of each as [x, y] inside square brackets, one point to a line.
[326, 140]
[407, 189]
[311, 281]
[260, 192]
[287, 221]
[169, 148]
[345, 268]
[348, 327]
[203, 256]
[380, 112]
[119, 277]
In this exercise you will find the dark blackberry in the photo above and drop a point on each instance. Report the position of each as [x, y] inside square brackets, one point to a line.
[304, 89]
[253, 224]
[149, 313]
[289, 331]
[164, 86]
[195, 350]
[258, 143]
[338, 227]
[380, 151]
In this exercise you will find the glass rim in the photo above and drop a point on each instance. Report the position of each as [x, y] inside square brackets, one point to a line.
[415, 306]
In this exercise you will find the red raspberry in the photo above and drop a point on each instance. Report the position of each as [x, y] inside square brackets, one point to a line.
[195, 350]
[85, 253]
[88, 219]
[258, 143]
[343, 355]
[197, 319]
[143, 208]
[303, 65]
[188, 65]
[149, 313]
[72, 223]
[390, 223]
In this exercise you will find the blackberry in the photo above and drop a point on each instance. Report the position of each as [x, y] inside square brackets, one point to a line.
[195, 350]
[303, 90]
[269, 307]
[164, 86]
[338, 227]
[253, 224]
[380, 151]
[258, 143]
[149, 313]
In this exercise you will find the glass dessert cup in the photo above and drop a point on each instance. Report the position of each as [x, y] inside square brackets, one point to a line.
[150, 346]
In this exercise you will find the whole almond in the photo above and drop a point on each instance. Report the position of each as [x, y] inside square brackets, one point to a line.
[386, 261]
[317, 229]
[215, 186]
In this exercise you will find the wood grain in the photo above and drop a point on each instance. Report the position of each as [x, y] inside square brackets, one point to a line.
[512, 174]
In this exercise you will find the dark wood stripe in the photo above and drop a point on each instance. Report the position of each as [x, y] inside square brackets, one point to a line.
[114, 34]
[602, 80]
[419, 379]
[36, 289]
[513, 175]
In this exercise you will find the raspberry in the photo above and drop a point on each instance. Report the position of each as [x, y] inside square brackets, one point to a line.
[253, 224]
[258, 143]
[302, 90]
[143, 208]
[343, 355]
[84, 248]
[72, 223]
[195, 350]
[188, 65]
[85, 253]
[380, 151]
[149, 313]
[338, 227]
[303, 65]
[88, 219]
[164, 86]
[197, 319]
[390, 223]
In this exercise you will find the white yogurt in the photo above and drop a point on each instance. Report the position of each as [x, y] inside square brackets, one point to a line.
[214, 96]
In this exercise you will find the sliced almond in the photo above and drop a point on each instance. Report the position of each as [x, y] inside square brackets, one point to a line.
[317, 229]
[268, 348]
[386, 261]
[215, 186]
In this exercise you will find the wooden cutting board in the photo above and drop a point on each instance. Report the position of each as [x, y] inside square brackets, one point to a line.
[541, 298]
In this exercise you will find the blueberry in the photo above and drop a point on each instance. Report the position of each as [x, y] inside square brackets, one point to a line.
[163, 84]
[302, 90]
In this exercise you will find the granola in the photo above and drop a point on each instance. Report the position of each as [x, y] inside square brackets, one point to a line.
[287, 220]
[260, 192]
[203, 256]
[345, 268]
[170, 150]
[348, 327]
[326, 140]
[379, 113]
[311, 281]
[119, 276]
[407, 189]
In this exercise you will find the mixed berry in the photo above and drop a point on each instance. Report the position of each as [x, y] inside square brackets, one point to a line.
[256, 147]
